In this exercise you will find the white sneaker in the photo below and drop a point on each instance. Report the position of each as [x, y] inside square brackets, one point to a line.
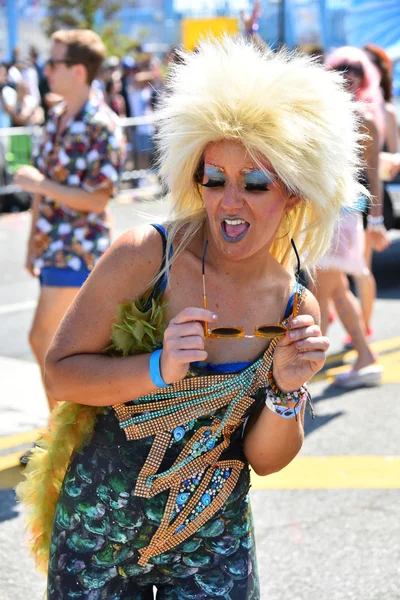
[366, 377]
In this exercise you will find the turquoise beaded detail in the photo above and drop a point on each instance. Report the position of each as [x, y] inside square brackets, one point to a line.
[178, 433]
[216, 484]
[238, 381]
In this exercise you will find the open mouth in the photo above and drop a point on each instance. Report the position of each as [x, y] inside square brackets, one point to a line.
[234, 230]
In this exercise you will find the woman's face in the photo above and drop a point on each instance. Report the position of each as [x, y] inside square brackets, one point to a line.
[244, 207]
[353, 81]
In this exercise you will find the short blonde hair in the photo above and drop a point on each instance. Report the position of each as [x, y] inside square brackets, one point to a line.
[83, 47]
[282, 106]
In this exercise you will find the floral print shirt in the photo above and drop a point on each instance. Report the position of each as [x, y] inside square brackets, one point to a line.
[86, 154]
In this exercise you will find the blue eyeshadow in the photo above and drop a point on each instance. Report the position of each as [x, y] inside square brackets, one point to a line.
[214, 173]
[257, 178]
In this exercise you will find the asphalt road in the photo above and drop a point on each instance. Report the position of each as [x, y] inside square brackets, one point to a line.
[327, 527]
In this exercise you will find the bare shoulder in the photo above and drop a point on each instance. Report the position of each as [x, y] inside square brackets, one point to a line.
[310, 306]
[134, 257]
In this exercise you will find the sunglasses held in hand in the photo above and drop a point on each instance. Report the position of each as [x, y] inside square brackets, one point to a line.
[269, 331]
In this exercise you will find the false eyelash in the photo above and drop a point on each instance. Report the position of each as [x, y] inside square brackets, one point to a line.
[252, 187]
[212, 183]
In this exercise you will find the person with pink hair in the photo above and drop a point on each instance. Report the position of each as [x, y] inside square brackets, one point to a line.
[351, 245]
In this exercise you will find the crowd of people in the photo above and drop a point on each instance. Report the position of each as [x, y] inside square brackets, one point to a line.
[261, 178]
[128, 85]
[133, 87]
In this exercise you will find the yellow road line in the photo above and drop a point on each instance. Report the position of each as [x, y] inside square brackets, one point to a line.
[17, 439]
[9, 461]
[389, 345]
[389, 358]
[314, 472]
[334, 472]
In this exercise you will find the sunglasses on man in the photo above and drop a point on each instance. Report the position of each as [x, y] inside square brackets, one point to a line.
[52, 62]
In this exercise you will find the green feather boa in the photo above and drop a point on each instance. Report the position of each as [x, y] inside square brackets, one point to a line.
[135, 331]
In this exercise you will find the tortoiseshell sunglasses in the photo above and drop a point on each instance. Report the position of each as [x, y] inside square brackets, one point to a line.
[263, 331]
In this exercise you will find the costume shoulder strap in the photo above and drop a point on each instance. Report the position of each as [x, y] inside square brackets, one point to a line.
[162, 283]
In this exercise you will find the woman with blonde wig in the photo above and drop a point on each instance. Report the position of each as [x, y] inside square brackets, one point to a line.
[192, 342]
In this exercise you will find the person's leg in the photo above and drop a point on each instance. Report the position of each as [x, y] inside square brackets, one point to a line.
[52, 306]
[366, 286]
[323, 288]
[349, 312]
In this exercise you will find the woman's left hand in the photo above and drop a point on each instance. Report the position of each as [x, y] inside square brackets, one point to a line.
[299, 354]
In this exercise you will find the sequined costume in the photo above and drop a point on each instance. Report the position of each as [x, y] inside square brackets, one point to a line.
[159, 495]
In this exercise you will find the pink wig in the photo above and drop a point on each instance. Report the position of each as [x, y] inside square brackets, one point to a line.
[370, 91]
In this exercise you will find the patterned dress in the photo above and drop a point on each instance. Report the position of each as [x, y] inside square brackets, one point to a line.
[159, 495]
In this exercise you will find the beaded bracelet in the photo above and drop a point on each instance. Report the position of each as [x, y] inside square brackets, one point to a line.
[373, 222]
[284, 404]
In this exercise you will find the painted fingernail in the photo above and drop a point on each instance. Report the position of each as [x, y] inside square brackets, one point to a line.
[214, 317]
[294, 321]
[299, 344]
[292, 335]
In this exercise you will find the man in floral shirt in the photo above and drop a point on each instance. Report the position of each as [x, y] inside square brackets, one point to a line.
[77, 174]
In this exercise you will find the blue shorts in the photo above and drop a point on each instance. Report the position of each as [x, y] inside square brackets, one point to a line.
[55, 277]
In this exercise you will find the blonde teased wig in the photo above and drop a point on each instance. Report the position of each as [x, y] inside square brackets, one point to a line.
[281, 106]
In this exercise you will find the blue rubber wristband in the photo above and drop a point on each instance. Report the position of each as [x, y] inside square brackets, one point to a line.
[155, 372]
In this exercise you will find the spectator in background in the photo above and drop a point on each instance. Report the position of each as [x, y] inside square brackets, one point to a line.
[78, 174]
[8, 98]
[107, 70]
[36, 62]
[128, 65]
[113, 96]
[140, 97]
[14, 72]
[250, 22]
[390, 160]
[30, 76]
[27, 110]
[366, 284]
[384, 65]
[47, 98]
[347, 254]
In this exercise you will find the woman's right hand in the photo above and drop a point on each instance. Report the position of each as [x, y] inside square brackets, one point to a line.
[184, 343]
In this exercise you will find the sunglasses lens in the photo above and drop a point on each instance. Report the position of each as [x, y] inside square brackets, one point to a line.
[271, 331]
[226, 331]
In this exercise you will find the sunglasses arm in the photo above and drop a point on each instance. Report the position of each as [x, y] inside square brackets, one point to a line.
[205, 324]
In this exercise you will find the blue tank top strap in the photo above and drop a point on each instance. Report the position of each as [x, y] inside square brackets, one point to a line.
[161, 229]
[162, 283]
[290, 304]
